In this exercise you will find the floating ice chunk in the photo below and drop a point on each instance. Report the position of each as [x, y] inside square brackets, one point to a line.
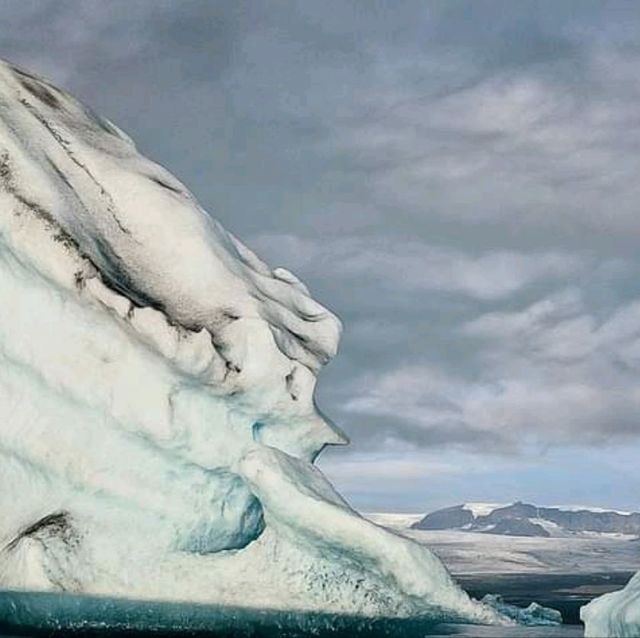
[534, 615]
[614, 615]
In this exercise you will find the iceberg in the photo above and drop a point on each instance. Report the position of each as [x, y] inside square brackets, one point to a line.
[614, 615]
[158, 428]
[535, 615]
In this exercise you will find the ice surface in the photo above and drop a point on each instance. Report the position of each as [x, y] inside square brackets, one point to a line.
[482, 509]
[157, 418]
[590, 508]
[534, 615]
[615, 615]
[393, 520]
[477, 553]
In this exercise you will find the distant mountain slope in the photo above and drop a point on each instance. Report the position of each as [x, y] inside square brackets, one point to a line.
[523, 519]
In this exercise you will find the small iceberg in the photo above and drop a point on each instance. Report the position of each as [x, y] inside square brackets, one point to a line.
[534, 615]
[614, 615]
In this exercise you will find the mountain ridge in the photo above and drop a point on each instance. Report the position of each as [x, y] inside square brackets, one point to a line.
[525, 519]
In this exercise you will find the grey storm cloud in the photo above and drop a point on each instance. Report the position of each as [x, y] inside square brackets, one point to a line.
[538, 378]
[456, 179]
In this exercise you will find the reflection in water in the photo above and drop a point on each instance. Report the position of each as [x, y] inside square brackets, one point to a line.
[53, 614]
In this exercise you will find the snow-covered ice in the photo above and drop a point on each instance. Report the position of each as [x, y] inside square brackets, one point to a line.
[157, 418]
[614, 615]
[534, 614]
[393, 520]
[482, 509]
[476, 553]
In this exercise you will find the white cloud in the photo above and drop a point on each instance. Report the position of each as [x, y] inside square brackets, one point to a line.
[413, 265]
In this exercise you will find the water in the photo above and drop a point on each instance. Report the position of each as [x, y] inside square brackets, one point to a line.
[58, 615]
[564, 592]
[47, 614]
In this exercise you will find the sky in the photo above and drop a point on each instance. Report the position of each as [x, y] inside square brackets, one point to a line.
[458, 180]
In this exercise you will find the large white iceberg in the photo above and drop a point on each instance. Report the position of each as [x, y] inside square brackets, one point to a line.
[157, 420]
[614, 615]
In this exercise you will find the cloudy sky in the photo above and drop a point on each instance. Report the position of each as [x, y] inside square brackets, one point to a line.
[459, 181]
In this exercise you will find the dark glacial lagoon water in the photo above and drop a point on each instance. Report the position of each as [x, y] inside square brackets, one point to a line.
[564, 592]
[61, 615]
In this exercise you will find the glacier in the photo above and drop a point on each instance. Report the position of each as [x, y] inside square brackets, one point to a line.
[614, 615]
[158, 428]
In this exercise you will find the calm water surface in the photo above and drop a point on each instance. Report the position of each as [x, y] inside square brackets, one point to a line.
[59, 615]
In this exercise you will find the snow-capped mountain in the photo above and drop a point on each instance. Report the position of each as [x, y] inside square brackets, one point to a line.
[523, 519]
